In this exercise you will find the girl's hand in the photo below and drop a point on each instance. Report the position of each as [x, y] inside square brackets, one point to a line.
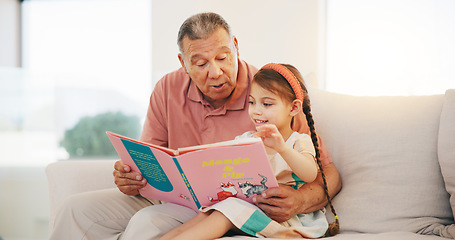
[271, 137]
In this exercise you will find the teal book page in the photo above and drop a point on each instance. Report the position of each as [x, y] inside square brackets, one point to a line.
[148, 165]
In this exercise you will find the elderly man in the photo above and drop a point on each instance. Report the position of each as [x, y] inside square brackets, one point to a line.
[205, 101]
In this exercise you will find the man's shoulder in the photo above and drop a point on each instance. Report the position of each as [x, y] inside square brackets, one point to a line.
[251, 69]
[177, 75]
[172, 84]
[177, 78]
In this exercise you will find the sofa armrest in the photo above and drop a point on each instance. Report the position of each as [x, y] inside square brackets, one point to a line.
[66, 178]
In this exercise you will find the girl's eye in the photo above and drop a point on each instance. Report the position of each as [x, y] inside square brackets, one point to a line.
[251, 102]
[267, 104]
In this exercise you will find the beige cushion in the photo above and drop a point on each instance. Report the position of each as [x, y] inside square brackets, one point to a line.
[385, 149]
[446, 153]
[380, 236]
[66, 178]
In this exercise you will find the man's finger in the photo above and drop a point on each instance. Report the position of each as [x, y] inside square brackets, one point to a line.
[274, 212]
[276, 192]
[122, 182]
[130, 176]
[121, 167]
[271, 201]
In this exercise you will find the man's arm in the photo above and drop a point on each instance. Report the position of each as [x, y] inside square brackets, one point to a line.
[283, 202]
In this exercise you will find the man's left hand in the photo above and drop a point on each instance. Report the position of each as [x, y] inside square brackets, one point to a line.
[280, 203]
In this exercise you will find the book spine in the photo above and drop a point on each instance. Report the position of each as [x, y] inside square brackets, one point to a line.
[187, 183]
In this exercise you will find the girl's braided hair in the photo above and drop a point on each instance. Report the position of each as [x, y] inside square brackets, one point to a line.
[275, 82]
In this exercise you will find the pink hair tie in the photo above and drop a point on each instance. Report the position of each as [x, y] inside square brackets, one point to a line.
[290, 77]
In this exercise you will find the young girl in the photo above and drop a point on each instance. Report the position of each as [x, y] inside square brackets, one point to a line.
[277, 95]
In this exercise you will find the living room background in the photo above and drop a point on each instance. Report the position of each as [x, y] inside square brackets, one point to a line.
[59, 67]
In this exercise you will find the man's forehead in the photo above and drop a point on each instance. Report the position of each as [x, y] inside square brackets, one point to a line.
[194, 55]
[216, 42]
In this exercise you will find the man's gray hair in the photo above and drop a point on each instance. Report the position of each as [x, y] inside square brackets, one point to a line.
[200, 26]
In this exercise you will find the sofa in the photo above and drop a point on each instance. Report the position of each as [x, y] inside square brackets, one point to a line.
[395, 155]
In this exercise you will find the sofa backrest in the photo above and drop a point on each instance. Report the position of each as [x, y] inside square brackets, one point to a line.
[69, 177]
[385, 149]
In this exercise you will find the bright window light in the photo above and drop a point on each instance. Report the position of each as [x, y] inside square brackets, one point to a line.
[390, 47]
[81, 59]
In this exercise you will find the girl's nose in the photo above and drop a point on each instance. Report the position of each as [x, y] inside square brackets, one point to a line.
[256, 110]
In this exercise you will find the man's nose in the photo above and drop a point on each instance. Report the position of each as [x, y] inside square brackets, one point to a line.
[215, 71]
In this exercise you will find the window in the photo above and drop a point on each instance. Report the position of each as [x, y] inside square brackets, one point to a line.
[86, 69]
[390, 47]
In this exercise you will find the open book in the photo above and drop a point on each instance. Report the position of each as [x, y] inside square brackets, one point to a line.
[198, 176]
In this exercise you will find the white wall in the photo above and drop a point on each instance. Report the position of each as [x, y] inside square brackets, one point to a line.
[268, 31]
[24, 201]
[9, 33]
[390, 47]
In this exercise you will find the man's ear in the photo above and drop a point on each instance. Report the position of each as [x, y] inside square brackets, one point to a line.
[182, 62]
[296, 107]
[236, 44]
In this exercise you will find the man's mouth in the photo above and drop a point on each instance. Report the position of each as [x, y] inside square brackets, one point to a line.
[217, 87]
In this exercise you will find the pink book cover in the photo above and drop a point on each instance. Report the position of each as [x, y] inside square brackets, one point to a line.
[199, 176]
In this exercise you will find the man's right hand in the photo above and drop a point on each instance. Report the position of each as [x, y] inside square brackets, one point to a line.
[127, 182]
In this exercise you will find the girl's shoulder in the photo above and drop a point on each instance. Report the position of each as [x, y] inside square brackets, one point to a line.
[301, 142]
[295, 136]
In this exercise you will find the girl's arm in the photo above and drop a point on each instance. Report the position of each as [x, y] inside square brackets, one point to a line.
[302, 164]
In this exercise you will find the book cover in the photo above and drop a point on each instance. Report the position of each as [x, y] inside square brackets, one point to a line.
[198, 176]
